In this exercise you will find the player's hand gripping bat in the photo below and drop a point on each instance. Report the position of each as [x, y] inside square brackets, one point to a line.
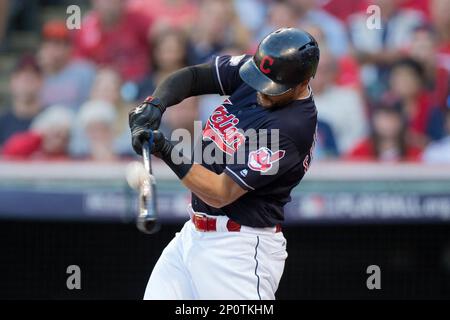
[147, 220]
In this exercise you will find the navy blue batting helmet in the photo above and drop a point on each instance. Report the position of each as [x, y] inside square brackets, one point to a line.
[284, 59]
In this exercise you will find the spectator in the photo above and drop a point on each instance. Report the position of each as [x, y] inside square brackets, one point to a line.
[169, 55]
[105, 91]
[419, 5]
[383, 45]
[441, 22]
[17, 15]
[217, 28]
[281, 14]
[25, 85]
[440, 18]
[388, 141]
[113, 35]
[347, 64]
[254, 21]
[439, 152]
[378, 48]
[309, 12]
[107, 87]
[180, 14]
[66, 81]
[4, 10]
[407, 89]
[424, 49]
[97, 119]
[336, 8]
[341, 107]
[325, 144]
[181, 116]
[47, 139]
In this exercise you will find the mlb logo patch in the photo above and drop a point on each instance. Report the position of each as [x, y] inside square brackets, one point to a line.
[234, 60]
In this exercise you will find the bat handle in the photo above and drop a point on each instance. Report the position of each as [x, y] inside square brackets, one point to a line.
[146, 152]
[147, 220]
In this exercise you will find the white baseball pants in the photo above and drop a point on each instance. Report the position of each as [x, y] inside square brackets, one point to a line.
[223, 265]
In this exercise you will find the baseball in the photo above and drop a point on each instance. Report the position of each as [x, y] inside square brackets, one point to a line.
[135, 173]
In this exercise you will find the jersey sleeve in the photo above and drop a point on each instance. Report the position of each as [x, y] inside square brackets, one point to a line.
[254, 167]
[226, 69]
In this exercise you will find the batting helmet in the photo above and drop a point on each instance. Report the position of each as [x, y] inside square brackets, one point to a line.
[283, 60]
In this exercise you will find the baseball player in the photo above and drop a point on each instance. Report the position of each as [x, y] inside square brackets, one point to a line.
[232, 246]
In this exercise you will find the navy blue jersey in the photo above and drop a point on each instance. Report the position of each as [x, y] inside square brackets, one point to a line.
[268, 160]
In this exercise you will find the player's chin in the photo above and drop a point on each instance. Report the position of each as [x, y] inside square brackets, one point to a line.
[269, 101]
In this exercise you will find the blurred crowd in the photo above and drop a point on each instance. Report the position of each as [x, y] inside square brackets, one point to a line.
[382, 93]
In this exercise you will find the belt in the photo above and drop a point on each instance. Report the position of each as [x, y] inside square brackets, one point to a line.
[205, 224]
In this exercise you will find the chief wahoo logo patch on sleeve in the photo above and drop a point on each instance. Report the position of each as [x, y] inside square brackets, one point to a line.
[263, 159]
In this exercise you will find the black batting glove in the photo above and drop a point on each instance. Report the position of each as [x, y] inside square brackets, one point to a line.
[142, 119]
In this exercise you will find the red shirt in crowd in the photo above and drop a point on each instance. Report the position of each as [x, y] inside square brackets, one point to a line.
[349, 72]
[27, 145]
[365, 151]
[419, 119]
[441, 91]
[179, 14]
[124, 46]
[341, 11]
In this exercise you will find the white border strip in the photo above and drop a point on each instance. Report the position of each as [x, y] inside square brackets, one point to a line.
[319, 171]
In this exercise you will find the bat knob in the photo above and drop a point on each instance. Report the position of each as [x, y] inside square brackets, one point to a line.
[147, 225]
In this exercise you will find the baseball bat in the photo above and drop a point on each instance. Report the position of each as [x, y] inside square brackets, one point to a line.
[147, 220]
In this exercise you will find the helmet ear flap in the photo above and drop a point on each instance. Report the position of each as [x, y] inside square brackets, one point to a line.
[311, 56]
[314, 69]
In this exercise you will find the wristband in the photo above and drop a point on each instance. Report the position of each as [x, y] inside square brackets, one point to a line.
[182, 169]
[156, 103]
